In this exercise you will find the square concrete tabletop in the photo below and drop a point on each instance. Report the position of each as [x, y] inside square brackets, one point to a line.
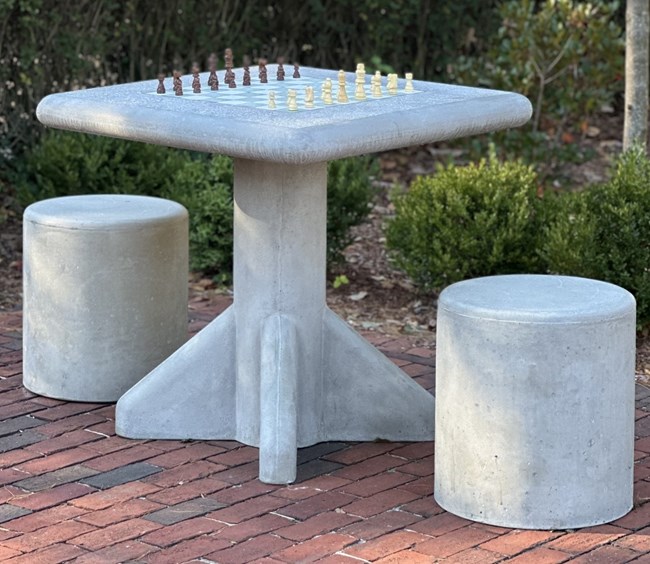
[434, 112]
[278, 369]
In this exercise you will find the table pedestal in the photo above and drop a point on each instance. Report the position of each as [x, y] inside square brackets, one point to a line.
[278, 369]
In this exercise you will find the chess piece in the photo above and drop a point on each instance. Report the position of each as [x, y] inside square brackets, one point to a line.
[292, 103]
[327, 91]
[409, 82]
[161, 84]
[271, 103]
[262, 72]
[232, 83]
[342, 97]
[309, 97]
[178, 84]
[392, 84]
[247, 76]
[213, 79]
[376, 85]
[280, 73]
[229, 76]
[360, 82]
[196, 82]
[296, 70]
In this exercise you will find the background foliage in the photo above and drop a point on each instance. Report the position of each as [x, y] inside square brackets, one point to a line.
[53, 45]
[465, 222]
[66, 163]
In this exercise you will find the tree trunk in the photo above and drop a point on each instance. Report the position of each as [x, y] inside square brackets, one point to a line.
[637, 32]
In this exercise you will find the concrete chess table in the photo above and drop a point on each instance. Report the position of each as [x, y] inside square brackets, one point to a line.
[278, 369]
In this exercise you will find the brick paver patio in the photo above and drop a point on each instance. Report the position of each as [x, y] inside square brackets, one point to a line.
[71, 490]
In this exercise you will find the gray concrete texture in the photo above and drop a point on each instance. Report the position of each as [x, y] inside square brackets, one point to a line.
[535, 401]
[105, 292]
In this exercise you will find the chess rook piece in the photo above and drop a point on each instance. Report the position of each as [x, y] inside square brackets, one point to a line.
[280, 73]
[296, 70]
[161, 84]
[247, 76]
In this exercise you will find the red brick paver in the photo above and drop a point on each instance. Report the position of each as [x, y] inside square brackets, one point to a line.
[365, 502]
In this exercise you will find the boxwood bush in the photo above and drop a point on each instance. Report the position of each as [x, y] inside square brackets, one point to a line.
[65, 163]
[464, 222]
[604, 232]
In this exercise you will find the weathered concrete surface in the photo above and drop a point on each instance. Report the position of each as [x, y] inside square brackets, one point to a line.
[535, 401]
[105, 292]
[278, 370]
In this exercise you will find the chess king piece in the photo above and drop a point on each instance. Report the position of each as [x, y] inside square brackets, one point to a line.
[161, 84]
[342, 97]
[296, 70]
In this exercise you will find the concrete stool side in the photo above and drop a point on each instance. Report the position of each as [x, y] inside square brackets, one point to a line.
[535, 406]
[105, 293]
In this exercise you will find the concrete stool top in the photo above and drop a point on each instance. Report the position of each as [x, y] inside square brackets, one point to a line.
[537, 298]
[103, 212]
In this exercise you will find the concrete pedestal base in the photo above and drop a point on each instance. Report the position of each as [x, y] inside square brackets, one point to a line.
[535, 401]
[105, 293]
[278, 369]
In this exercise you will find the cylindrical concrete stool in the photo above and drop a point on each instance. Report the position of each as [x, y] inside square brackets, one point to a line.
[535, 401]
[105, 293]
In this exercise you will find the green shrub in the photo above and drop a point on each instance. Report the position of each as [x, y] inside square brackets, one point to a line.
[58, 45]
[349, 197]
[465, 222]
[603, 232]
[204, 187]
[65, 163]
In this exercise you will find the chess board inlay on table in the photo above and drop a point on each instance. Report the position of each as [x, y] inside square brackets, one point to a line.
[257, 94]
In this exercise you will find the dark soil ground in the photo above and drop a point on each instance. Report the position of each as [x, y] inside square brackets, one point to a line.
[377, 297]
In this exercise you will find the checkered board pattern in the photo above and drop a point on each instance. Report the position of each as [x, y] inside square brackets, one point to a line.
[257, 94]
